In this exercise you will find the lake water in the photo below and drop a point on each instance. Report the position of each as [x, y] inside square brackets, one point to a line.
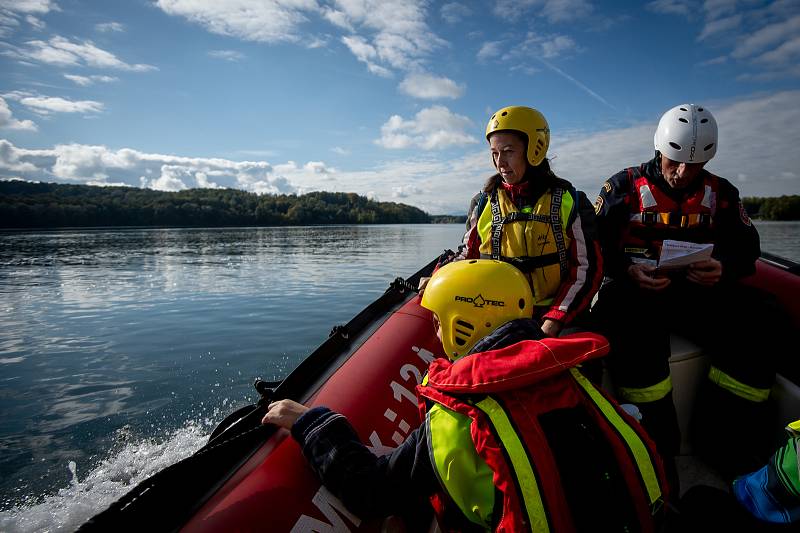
[120, 350]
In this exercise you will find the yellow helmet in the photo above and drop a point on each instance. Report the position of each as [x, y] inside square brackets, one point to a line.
[523, 120]
[472, 298]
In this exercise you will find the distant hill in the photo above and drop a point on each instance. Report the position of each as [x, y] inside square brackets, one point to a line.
[773, 208]
[448, 219]
[38, 205]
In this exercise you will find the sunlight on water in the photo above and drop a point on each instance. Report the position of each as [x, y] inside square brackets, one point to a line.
[87, 495]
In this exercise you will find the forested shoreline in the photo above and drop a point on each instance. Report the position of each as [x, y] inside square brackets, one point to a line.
[50, 205]
[773, 208]
[26, 204]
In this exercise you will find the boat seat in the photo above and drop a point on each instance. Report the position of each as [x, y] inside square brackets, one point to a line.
[688, 368]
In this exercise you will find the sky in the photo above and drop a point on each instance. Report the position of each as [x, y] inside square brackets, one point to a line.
[388, 99]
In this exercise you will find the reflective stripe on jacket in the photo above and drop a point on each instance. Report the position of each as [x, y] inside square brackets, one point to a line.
[654, 215]
[487, 435]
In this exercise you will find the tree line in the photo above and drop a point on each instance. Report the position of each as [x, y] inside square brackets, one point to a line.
[774, 208]
[26, 204]
[35, 205]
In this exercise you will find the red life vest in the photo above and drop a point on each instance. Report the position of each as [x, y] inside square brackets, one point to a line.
[654, 216]
[505, 391]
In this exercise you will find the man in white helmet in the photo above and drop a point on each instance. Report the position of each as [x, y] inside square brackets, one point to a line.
[673, 196]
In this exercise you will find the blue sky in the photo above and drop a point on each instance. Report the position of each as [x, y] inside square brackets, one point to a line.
[388, 99]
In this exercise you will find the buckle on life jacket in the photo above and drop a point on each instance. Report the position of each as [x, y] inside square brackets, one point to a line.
[649, 218]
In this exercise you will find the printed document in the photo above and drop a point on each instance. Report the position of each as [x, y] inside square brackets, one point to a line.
[680, 254]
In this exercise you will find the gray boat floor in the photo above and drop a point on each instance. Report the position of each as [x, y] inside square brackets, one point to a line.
[693, 471]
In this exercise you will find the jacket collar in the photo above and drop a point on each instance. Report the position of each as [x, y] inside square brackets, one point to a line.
[513, 357]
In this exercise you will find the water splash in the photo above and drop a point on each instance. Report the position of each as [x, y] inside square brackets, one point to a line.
[111, 479]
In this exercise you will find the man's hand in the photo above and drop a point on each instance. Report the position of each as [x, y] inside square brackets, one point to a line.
[284, 413]
[705, 273]
[551, 328]
[645, 277]
[423, 282]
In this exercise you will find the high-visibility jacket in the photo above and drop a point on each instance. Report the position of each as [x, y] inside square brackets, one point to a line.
[489, 421]
[552, 240]
[637, 210]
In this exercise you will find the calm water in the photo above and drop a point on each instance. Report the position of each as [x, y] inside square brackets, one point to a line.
[120, 350]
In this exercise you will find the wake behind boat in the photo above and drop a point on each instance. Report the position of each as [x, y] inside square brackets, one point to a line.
[253, 477]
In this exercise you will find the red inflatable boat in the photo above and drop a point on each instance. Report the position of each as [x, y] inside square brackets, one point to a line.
[253, 478]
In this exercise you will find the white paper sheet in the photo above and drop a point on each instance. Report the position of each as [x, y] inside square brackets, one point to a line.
[680, 254]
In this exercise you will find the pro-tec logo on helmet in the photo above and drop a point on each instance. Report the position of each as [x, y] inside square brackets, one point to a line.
[479, 301]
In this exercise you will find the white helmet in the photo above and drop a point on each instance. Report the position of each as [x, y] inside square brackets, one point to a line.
[687, 134]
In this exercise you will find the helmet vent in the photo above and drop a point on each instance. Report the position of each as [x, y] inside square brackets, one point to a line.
[675, 145]
[703, 121]
[709, 147]
[683, 120]
[700, 109]
[504, 113]
[466, 326]
[684, 109]
[522, 303]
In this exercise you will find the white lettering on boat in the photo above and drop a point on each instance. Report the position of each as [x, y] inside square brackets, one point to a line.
[329, 505]
[326, 502]
[401, 391]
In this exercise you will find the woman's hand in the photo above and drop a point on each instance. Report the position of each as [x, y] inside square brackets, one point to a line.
[551, 328]
[646, 278]
[706, 272]
[284, 413]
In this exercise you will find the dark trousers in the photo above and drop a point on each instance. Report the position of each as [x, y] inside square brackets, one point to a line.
[738, 326]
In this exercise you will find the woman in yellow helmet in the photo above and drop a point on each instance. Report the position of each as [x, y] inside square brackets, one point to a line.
[529, 217]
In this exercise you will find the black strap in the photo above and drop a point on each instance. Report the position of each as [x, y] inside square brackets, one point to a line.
[528, 264]
[558, 233]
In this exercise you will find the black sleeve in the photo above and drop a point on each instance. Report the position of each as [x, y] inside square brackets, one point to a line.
[370, 486]
[612, 217]
[737, 245]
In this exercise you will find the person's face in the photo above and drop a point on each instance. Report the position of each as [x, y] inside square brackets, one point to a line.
[679, 175]
[437, 326]
[508, 155]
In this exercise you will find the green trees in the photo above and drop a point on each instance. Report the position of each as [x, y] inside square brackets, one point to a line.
[774, 208]
[29, 205]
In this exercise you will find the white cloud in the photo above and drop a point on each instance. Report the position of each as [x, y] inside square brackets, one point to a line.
[453, 12]
[757, 151]
[430, 87]
[85, 81]
[106, 27]
[339, 150]
[767, 37]
[10, 158]
[46, 105]
[366, 53]
[756, 139]
[7, 121]
[227, 55]
[267, 21]
[405, 191]
[63, 52]
[432, 128]
[29, 6]
[80, 163]
[35, 22]
[490, 50]
[554, 11]
[672, 7]
[383, 34]
[722, 25]
[788, 52]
